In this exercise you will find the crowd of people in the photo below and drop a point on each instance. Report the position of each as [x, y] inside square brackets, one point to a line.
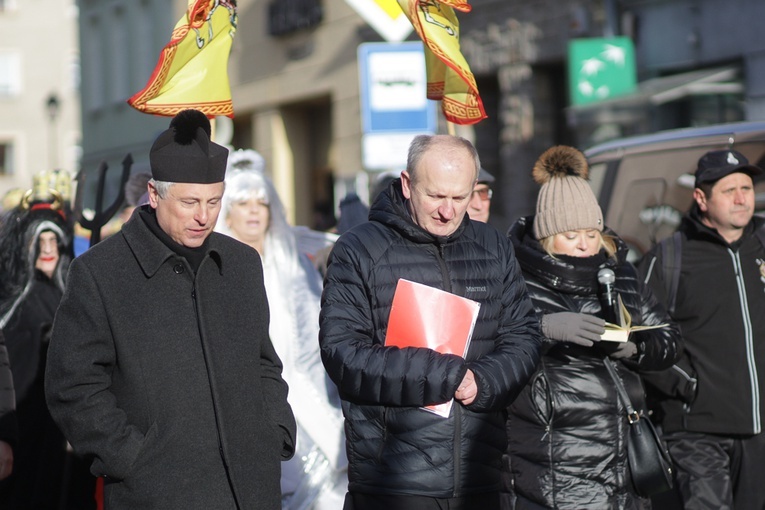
[198, 357]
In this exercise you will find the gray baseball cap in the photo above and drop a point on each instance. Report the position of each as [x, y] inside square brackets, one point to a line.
[484, 176]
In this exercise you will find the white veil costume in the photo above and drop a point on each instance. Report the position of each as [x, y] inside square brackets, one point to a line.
[316, 477]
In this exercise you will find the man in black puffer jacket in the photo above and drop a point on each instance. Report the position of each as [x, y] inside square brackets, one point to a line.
[399, 455]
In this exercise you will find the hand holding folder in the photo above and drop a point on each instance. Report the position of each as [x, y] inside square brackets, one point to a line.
[423, 316]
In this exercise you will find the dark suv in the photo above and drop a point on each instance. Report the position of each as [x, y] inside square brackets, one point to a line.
[645, 183]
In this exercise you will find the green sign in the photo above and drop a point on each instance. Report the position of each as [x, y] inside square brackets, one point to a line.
[600, 69]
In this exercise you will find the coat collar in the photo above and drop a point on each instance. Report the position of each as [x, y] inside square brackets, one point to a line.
[694, 227]
[565, 274]
[151, 252]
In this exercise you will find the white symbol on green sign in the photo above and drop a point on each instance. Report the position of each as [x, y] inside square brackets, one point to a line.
[600, 69]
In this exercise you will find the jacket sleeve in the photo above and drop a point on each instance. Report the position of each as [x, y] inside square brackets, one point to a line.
[275, 397]
[274, 387]
[659, 348]
[81, 358]
[367, 372]
[8, 426]
[678, 379]
[502, 374]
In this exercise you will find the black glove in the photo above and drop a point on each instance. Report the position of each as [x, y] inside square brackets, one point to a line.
[578, 328]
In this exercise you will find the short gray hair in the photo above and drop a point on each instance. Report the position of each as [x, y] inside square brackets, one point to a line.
[421, 143]
[162, 187]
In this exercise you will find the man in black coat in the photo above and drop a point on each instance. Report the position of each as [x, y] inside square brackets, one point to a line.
[160, 367]
[401, 456]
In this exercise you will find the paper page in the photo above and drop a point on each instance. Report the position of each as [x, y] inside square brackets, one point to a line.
[616, 333]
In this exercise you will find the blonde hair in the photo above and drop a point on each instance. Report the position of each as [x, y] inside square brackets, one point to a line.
[606, 242]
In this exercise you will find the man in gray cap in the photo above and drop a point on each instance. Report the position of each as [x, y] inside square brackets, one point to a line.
[480, 200]
[160, 368]
[711, 276]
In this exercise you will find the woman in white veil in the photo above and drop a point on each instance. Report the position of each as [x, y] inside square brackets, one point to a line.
[252, 212]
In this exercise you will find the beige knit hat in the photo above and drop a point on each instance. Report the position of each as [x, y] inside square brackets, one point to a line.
[566, 201]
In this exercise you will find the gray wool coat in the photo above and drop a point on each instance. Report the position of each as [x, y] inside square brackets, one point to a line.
[168, 379]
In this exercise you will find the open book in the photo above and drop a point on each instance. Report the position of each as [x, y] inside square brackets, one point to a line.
[422, 316]
[616, 333]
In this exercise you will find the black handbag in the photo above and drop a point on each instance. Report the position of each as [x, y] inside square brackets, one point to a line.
[650, 464]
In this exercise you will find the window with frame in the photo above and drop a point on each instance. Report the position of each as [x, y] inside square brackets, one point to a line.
[6, 157]
[7, 5]
[10, 74]
[92, 59]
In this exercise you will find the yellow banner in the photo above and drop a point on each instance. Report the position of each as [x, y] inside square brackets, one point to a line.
[449, 76]
[192, 71]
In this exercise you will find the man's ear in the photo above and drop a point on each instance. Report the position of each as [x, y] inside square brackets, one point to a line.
[700, 198]
[406, 184]
[153, 196]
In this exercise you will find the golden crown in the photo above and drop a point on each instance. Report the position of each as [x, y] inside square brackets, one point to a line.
[50, 187]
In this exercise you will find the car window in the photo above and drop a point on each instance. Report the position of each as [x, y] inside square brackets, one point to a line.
[651, 190]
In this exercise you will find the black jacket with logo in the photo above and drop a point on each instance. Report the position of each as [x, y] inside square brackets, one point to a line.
[393, 446]
[717, 386]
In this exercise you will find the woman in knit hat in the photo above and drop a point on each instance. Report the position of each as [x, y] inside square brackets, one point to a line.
[567, 430]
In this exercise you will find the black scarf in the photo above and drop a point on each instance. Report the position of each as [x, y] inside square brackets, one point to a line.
[193, 256]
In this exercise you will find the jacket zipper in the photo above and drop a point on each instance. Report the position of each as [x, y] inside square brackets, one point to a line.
[456, 411]
[445, 281]
[753, 377]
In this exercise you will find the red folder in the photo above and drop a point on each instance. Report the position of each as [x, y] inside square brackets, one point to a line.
[422, 316]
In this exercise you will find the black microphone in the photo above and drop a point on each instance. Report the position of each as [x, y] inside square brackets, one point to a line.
[608, 300]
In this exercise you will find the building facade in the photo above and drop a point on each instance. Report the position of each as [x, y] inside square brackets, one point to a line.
[295, 84]
[39, 90]
[697, 64]
[120, 42]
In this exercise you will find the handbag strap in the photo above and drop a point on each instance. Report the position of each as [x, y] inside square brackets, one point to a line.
[632, 415]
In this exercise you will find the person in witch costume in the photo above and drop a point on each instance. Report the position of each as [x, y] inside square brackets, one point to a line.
[8, 425]
[34, 256]
[160, 367]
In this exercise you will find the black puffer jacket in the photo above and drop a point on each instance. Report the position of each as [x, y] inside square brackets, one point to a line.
[567, 429]
[394, 447]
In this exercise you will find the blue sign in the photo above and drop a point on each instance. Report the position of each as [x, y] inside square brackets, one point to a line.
[393, 89]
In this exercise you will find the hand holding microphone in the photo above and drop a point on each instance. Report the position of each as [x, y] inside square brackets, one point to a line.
[610, 305]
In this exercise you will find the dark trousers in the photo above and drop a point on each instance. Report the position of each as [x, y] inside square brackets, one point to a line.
[360, 501]
[719, 472]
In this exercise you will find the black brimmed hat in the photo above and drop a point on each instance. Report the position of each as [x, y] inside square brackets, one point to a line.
[714, 165]
[184, 152]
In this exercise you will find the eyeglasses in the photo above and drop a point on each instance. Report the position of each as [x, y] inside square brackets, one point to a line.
[484, 193]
